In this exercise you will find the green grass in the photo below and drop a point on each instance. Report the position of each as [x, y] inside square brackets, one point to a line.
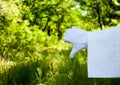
[50, 67]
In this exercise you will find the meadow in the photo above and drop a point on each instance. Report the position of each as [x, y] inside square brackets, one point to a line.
[50, 67]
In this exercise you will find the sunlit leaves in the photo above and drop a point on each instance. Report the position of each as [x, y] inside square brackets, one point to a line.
[100, 13]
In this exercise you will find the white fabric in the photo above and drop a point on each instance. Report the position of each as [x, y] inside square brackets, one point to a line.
[104, 53]
[103, 50]
[77, 37]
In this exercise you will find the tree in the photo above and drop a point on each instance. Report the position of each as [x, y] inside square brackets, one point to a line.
[100, 12]
[48, 15]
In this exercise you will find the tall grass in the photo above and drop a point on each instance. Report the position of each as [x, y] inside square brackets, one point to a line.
[50, 67]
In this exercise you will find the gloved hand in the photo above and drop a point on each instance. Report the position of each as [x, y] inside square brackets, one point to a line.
[77, 37]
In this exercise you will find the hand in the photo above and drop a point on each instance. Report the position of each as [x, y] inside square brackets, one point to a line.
[77, 37]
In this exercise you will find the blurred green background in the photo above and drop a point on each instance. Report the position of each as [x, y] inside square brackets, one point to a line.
[32, 51]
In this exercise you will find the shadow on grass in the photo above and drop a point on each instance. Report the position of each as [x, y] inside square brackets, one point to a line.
[24, 73]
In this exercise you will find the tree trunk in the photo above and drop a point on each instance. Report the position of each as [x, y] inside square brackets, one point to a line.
[98, 10]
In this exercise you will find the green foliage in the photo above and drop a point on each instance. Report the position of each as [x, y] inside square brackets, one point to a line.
[19, 40]
[49, 15]
[32, 51]
[54, 68]
[100, 12]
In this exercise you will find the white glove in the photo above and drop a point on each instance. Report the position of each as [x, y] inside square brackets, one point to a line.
[77, 37]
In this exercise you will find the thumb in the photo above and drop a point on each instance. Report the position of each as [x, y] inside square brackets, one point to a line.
[77, 47]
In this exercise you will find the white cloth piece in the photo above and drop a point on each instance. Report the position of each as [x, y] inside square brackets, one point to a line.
[103, 50]
[77, 37]
[104, 53]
